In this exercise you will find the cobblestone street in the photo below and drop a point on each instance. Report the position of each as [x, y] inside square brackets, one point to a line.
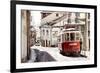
[42, 54]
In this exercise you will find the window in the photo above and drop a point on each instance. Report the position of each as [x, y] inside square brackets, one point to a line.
[63, 37]
[89, 25]
[76, 20]
[69, 17]
[88, 33]
[69, 14]
[57, 14]
[77, 36]
[69, 20]
[43, 32]
[47, 32]
[59, 38]
[67, 36]
[72, 36]
[89, 44]
[88, 15]
[77, 14]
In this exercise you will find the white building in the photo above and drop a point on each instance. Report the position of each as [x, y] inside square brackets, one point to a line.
[45, 35]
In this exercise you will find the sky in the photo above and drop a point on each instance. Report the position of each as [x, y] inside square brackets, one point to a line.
[36, 18]
[36, 21]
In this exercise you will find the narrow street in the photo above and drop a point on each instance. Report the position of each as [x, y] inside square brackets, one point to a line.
[42, 54]
[68, 31]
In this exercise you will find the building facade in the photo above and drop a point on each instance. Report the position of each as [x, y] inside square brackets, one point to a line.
[45, 35]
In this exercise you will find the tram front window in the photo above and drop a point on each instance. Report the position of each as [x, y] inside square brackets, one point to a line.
[67, 35]
[72, 36]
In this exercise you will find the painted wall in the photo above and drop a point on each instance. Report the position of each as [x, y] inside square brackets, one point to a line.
[25, 35]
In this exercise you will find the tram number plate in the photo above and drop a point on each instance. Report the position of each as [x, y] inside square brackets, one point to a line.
[73, 44]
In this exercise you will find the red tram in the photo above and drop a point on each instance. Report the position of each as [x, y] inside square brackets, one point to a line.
[69, 41]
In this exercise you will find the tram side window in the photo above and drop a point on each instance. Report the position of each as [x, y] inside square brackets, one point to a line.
[77, 36]
[63, 37]
[72, 36]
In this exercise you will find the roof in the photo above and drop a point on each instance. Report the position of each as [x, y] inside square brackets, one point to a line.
[69, 30]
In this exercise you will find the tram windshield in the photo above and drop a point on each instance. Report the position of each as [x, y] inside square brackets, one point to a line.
[72, 36]
[77, 36]
[69, 36]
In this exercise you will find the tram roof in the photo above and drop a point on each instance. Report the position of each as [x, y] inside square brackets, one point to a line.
[70, 30]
